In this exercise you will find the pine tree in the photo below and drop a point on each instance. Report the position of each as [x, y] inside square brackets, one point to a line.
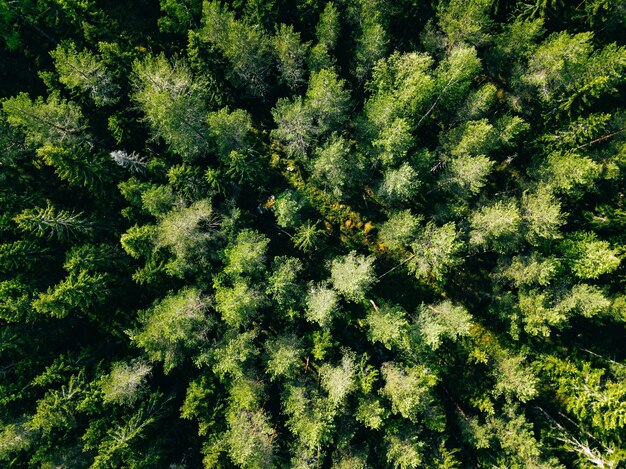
[85, 72]
[173, 104]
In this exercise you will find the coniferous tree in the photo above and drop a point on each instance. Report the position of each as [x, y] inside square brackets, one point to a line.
[309, 234]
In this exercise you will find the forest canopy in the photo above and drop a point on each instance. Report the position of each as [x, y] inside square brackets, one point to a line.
[312, 234]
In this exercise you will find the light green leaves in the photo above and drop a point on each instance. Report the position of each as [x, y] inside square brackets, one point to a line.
[408, 388]
[588, 257]
[52, 223]
[339, 381]
[287, 208]
[334, 167]
[310, 417]
[496, 226]
[245, 46]
[126, 382]
[173, 104]
[404, 452]
[542, 215]
[567, 70]
[246, 256]
[322, 305]
[531, 270]
[79, 293]
[465, 21]
[173, 327]
[15, 301]
[283, 284]
[14, 437]
[284, 356]
[250, 439]
[238, 304]
[231, 357]
[295, 126]
[436, 251]
[327, 33]
[300, 122]
[399, 185]
[401, 85]
[353, 276]
[85, 71]
[543, 311]
[307, 237]
[389, 326]
[370, 413]
[514, 379]
[443, 320]
[230, 130]
[466, 148]
[399, 230]
[394, 142]
[468, 174]
[187, 232]
[291, 55]
[569, 173]
[328, 99]
[55, 121]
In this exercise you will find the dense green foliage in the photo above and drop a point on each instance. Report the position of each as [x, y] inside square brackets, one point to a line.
[338, 234]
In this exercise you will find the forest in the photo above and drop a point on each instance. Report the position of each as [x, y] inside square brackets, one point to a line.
[334, 234]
